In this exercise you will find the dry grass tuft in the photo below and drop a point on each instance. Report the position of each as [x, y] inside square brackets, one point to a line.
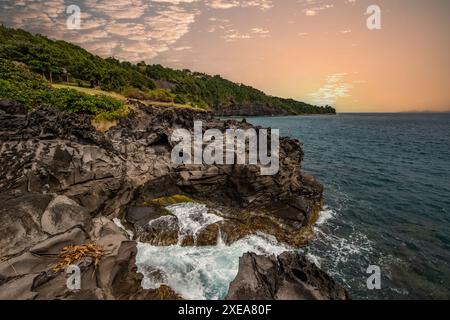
[71, 254]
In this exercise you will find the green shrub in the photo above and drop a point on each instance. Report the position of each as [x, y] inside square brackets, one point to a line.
[180, 99]
[78, 102]
[161, 95]
[19, 84]
[134, 93]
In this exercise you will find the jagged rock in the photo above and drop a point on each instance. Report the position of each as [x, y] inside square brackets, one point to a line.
[162, 231]
[30, 275]
[62, 214]
[209, 235]
[290, 276]
[62, 181]
[18, 275]
[20, 222]
[54, 244]
[12, 107]
[140, 216]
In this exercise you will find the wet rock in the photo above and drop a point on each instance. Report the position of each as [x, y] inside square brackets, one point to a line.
[290, 276]
[162, 231]
[140, 216]
[247, 223]
[209, 235]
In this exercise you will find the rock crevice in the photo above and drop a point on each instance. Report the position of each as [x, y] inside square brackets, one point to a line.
[62, 182]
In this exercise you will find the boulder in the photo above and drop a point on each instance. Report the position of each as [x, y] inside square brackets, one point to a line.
[290, 276]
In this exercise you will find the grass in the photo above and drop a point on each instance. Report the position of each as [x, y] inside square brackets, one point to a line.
[106, 119]
[90, 91]
[122, 98]
[172, 104]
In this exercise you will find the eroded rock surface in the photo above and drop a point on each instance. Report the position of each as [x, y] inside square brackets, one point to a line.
[290, 276]
[62, 182]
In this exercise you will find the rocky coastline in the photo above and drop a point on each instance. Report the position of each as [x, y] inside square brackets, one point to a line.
[65, 183]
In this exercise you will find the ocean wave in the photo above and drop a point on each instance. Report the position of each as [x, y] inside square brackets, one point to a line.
[192, 217]
[199, 272]
[339, 248]
[325, 215]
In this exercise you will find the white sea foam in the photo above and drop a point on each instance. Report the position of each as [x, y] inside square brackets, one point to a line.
[192, 217]
[198, 272]
[121, 226]
[338, 248]
[325, 215]
[313, 258]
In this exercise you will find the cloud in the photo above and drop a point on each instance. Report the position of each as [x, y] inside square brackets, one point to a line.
[313, 7]
[132, 30]
[333, 89]
[183, 48]
[129, 29]
[233, 34]
[263, 33]
[38, 14]
[228, 4]
[124, 9]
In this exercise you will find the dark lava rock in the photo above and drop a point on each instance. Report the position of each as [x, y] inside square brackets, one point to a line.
[12, 107]
[290, 276]
[62, 181]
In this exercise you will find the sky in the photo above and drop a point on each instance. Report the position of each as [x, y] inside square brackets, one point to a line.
[318, 51]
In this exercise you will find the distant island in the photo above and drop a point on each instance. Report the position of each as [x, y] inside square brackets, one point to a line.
[38, 71]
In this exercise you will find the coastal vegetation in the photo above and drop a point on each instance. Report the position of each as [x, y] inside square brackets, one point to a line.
[19, 84]
[39, 71]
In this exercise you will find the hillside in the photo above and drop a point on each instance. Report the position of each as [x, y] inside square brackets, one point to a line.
[62, 62]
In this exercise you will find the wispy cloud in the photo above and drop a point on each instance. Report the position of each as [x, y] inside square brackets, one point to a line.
[228, 4]
[124, 9]
[233, 34]
[333, 89]
[313, 7]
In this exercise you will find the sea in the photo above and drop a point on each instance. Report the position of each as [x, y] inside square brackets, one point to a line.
[387, 199]
[386, 213]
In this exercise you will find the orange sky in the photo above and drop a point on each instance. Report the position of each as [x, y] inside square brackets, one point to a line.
[319, 51]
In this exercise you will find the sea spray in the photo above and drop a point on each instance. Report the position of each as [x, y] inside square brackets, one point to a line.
[331, 251]
[192, 217]
[199, 272]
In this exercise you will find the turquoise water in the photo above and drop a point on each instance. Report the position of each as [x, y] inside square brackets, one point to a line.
[387, 180]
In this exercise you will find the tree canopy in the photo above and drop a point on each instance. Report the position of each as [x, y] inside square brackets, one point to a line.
[60, 59]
